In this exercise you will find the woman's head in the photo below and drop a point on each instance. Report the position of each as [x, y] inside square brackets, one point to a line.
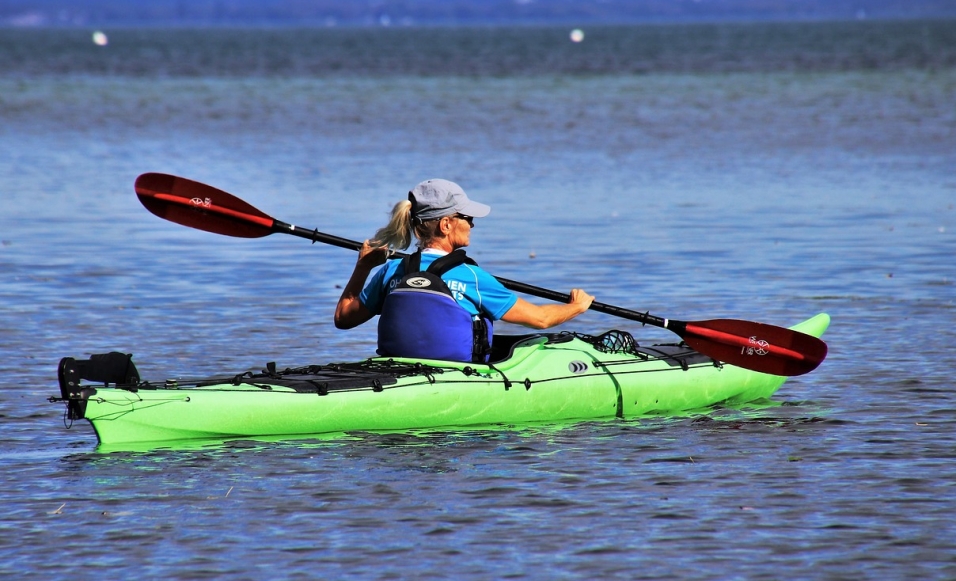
[437, 198]
[436, 210]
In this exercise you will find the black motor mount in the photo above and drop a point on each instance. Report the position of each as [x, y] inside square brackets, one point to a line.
[113, 367]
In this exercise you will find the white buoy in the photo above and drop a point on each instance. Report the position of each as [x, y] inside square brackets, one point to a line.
[577, 35]
[99, 39]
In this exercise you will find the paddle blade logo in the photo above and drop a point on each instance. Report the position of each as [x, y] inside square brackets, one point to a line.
[418, 282]
[201, 202]
[577, 367]
[756, 347]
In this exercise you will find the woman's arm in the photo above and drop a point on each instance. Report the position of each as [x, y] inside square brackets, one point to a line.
[546, 316]
[350, 312]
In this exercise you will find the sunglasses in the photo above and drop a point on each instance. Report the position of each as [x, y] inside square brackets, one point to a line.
[469, 219]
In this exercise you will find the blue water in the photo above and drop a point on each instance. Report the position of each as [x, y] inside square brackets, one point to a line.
[765, 185]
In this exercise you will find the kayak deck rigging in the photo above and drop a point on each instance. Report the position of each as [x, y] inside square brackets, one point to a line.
[375, 374]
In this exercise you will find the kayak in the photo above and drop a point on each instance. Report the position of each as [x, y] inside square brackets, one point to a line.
[545, 377]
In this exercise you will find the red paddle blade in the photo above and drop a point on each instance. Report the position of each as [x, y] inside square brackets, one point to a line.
[756, 346]
[200, 206]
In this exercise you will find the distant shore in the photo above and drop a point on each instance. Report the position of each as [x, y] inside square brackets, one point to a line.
[403, 13]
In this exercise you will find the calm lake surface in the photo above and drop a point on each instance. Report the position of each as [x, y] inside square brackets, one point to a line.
[762, 172]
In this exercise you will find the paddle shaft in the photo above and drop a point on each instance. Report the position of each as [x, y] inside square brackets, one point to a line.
[543, 293]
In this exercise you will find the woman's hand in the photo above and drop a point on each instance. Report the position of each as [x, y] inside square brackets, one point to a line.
[581, 299]
[372, 256]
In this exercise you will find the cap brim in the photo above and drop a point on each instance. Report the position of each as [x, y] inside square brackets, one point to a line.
[475, 209]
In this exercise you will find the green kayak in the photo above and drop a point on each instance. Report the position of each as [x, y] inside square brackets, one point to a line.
[532, 378]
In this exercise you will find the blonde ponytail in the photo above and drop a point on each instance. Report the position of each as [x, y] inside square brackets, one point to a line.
[397, 234]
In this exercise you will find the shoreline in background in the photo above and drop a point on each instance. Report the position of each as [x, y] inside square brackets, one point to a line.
[404, 13]
[497, 52]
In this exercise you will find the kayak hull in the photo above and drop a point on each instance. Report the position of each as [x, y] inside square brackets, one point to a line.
[545, 378]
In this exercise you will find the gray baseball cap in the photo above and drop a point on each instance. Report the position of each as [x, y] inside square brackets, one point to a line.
[437, 198]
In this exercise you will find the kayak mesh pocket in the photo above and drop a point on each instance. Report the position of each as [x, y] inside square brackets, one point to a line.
[615, 341]
[612, 341]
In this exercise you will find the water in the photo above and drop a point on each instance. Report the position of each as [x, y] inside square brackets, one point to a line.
[798, 169]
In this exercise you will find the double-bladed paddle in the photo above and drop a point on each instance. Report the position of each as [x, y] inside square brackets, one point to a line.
[756, 346]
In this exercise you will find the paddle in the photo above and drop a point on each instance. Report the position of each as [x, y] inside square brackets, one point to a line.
[756, 346]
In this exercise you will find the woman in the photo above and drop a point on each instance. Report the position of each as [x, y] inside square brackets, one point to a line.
[439, 214]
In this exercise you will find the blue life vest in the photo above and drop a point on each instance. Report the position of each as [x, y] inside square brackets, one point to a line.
[420, 317]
